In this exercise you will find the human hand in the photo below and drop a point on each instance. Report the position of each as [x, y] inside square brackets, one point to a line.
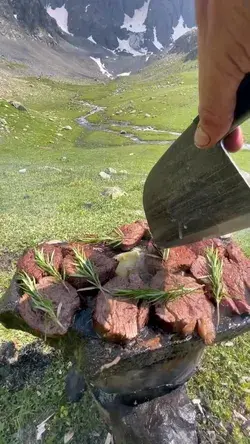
[224, 60]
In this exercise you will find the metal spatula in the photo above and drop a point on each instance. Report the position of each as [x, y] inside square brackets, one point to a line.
[192, 194]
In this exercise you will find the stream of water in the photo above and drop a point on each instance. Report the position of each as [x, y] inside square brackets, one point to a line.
[83, 121]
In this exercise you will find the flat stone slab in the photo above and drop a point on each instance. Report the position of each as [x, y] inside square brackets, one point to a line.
[147, 367]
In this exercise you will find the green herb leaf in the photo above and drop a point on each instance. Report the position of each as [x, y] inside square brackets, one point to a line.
[45, 305]
[216, 278]
[114, 239]
[86, 269]
[154, 296]
[47, 264]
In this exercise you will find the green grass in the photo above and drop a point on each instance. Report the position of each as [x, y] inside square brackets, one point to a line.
[23, 410]
[90, 139]
[12, 65]
[242, 160]
[153, 136]
[144, 135]
[48, 202]
[160, 92]
[96, 118]
[168, 91]
[222, 385]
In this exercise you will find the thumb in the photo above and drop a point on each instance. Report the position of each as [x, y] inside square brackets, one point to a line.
[217, 91]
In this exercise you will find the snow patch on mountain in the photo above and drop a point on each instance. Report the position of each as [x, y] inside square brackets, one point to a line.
[61, 17]
[180, 29]
[156, 42]
[124, 45]
[135, 27]
[136, 23]
[101, 67]
[90, 38]
[124, 74]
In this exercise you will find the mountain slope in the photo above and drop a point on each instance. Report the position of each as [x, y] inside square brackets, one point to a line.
[133, 26]
[186, 44]
[27, 17]
[90, 38]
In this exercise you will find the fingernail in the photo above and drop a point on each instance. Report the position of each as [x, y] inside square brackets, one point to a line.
[201, 139]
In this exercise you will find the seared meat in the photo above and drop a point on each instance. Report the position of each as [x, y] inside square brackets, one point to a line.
[187, 312]
[118, 319]
[27, 262]
[103, 263]
[65, 303]
[133, 234]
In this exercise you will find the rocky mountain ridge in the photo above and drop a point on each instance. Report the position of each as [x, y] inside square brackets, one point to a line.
[19, 18]
[132, 26]
[81, 37]
[186, 44]
[136, 27]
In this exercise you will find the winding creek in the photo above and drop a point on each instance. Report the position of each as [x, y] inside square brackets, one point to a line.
[83, 121]
[94, 109]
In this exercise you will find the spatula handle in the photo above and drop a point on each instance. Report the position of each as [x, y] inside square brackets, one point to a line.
[242, 110]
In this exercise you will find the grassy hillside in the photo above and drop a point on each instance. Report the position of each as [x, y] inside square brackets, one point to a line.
[51, 189]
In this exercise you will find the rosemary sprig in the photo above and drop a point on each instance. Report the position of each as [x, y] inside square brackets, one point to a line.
[113, 240]
[165, 254]
[47, 264]
[162, 253]
[154, 296]
[216, 278]
[39, 302]
[86, 270]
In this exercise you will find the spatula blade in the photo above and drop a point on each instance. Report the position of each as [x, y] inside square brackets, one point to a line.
[192, 194]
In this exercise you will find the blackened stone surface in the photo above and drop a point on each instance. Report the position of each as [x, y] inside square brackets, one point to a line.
[75, 385]
[7, 352]
[145, 368]
[148, 367]
[29, 367]
[166, 420]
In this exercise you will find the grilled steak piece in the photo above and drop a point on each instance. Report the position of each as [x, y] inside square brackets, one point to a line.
[103, 263]
[65, 304]
[27, 262]
[133, 234]
[199, 248]
[186, 313]
[119, 319]
[236, 255]
[235, 279]
[179, 259]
